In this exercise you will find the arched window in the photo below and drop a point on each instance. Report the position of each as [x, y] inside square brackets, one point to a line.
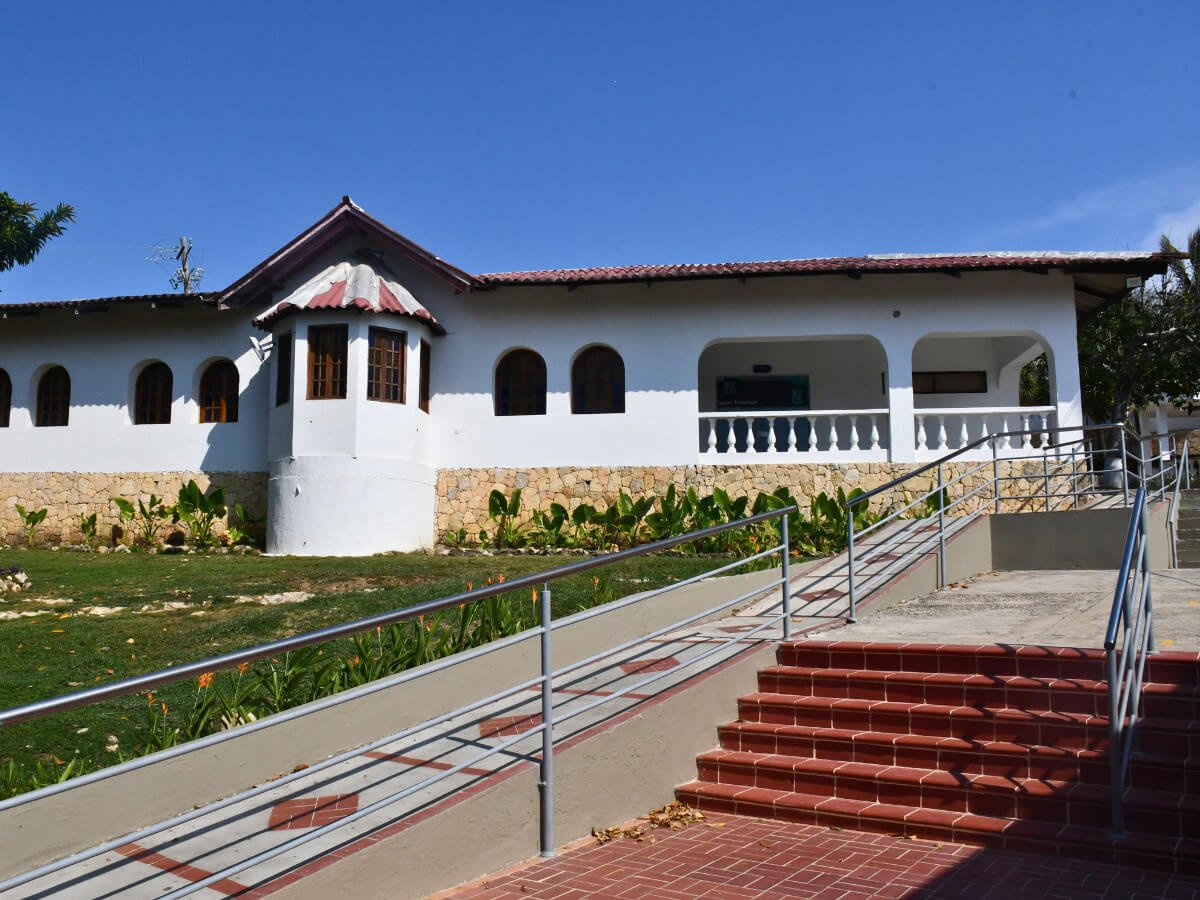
[521, 384]
[598, 381]
[152, 395]
[5, 398]
[53, 398]
[219, 392]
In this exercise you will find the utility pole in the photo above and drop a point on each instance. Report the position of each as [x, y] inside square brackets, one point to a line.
[185, 277]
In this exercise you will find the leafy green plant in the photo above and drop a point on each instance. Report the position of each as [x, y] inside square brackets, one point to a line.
[199, 512]
[87, 527]
[30, 520]
[241, 526]
[504, 511]
[546, 527]
[672, 516]
[125, 514]
[146, 519]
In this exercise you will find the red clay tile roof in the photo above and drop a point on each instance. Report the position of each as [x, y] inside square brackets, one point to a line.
[1133, 263]
[102, 302]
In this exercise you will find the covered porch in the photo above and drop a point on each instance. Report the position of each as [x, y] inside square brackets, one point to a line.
[851, 398]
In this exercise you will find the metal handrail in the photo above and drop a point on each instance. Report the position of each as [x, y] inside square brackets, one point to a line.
[544, 681]
[1131, 619]
[1066, 455]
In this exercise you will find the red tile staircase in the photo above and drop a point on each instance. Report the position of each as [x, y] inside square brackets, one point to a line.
[996, 745]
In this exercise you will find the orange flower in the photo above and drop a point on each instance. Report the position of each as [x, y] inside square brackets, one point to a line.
[164, 709]
[205, 680]
[500, 578]
[470, 586]
[242, 667]
[149, 698]
[533, 594]
[354, 662]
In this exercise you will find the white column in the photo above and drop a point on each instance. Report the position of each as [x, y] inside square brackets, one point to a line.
[901, 427]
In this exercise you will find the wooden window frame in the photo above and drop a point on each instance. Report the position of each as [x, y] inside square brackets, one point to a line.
[423, 373]
[152, 394]
[219, 402]
[53, 406]
[588, 382]
[284, 346]
[5, 398]
[328, 361]
[387, 367]
[519, 387]
[928, 382]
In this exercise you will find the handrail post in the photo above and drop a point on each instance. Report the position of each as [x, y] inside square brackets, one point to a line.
[941, 529]
[1046, 477]
[1144, 526]
[786, 576]
[853, 617]
[995, 475]
[1116, 772]
[1124, 465]
[546, 769]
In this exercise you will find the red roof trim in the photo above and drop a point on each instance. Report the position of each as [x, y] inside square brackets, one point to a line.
[1148, 263]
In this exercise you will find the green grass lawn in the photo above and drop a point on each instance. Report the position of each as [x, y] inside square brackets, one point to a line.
[66, 650]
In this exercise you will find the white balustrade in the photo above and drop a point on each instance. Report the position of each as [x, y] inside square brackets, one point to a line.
[829, 434]
[940, 431]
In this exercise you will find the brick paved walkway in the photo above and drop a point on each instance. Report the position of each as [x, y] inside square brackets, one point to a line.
[760, 859]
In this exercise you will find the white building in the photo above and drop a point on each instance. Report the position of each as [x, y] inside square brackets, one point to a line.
[364, 394]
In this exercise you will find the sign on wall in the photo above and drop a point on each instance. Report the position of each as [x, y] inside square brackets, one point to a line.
[751, 392]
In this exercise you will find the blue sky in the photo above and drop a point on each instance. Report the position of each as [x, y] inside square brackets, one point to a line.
[512, 136]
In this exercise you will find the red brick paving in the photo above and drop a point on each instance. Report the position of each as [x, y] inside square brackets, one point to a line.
[311, 812]
[660, 664]
[179, 869]
[768, 860]
[507, 726]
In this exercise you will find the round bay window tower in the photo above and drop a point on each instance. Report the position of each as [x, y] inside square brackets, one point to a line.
[348, 440]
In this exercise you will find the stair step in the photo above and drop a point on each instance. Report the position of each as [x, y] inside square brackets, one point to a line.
[1067, 802]
[988, 659]
[947, 754]
[1078, 695]
[1146, 851]
[1052, 729]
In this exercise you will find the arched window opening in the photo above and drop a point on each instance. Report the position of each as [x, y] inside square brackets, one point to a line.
[152, 395]
[5, 398]
[53, 398]
[219, 392]
[598, 382]
[521, 384]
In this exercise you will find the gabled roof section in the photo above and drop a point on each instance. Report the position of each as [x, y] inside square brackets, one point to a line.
[345, 218]
[350, 286]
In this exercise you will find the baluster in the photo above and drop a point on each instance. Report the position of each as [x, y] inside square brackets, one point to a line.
[963, 440]
[1026, 439]
[812, 433]
[854, 433]
[750, 441]
[874, 432]
[712, 435]
[1045, 417]
[941, 434]
[791, 428]
[921, 445]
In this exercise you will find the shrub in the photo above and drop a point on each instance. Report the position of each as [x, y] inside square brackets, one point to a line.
[199, 512]
[30, 520]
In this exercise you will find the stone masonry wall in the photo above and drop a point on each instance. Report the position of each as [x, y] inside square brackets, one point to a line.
[67, 494]
[462, 494]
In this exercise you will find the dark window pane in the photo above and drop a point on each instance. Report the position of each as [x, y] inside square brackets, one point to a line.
[950, 382]
[598, 382]
[5, 398]
[423, 387]
[283, 369]
[327, 352]
[219, 392]
[385, 365]
[521, 384]
[152, 395]
[54, 398]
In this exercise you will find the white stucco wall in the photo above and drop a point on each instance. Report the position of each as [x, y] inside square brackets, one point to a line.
[662, 331]
[103, 352]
